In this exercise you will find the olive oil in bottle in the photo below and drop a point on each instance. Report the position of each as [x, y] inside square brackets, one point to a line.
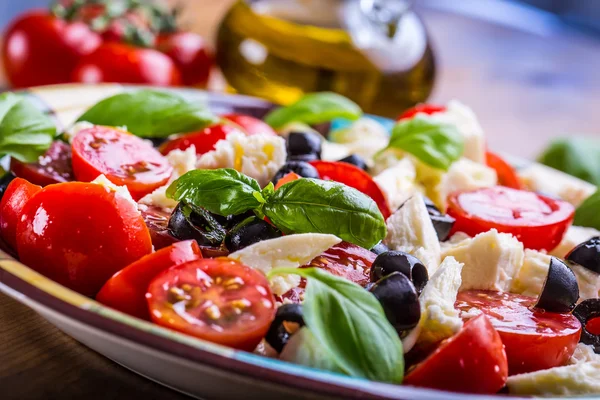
[281, 49]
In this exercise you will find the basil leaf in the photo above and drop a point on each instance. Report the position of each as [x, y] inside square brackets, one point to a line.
[315, 108]
[150, 113]
[25, 131]
[350, 324]
[579, 157]
[434, 143]
[587, 213]
[312, 205]
[303, 348]
[220, 191]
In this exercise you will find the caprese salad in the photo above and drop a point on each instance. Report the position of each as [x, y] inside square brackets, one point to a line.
[398, 251]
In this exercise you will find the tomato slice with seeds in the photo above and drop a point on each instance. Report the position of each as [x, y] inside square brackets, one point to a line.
[534, 339]
[17, 194]
[421, 108]
[204, 140]
[539, 222]
[507, 176]
[355, 177]
[53, 167]
[123, 158]
[219, 300]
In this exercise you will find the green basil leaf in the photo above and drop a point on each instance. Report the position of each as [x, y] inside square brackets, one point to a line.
[150, 113]
[25, 131]
[350, 324]
[434, 143]
[313, 205]
[576, 156]
[303, 348]
[220, 191]
[315, 108]
[587, 213]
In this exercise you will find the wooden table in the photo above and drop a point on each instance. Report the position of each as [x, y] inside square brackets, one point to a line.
[526, 88]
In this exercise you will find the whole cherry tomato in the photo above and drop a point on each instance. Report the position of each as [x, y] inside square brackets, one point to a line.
[17, 194]
[507, 176]
[421, 108]
[204, 140]
[250, 125]
[189, 52]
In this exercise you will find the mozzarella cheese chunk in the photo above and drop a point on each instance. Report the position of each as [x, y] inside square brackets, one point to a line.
[439, 319]
[583, 353]
[574, 236]
[571, 380]
[491, 260]
[291, 251]
[410, 230]
[365, 137]
[70, 133]
[549, 181]
[386, 159]
[398, 183]
[532, 275]
[588, 281]
[454, 241]
[120, 190]
[257, 156]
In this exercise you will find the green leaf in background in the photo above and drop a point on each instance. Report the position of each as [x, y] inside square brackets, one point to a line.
[434, 143]
[317, 206]
[588, 212]
[220, 191]
[349, 323]
[150, 113]
[315, 108]
[25, 131]
[576, 156]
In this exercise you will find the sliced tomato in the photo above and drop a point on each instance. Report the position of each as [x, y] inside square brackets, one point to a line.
[421, 108]
[539, 222]
[204, 141]
[126, 290]
[79, 234]
[17, 194]
[472, 361]
[123, 158]
[290, 177]
[251, 125]
[355, 177]
[53, 167]
[534, 339]
[507, 176]
[219, 300]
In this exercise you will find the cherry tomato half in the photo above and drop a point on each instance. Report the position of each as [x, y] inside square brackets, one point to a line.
[250, 125]
[79, 234]
[17, 194]
[204, 140]
[53, 167]
[219, 300]
[190, 54]
[355, 177]
[507, 176]
[472, 361]
[534, 339]
[123, 158]
[421, 108]
[126, 290]
[539, 222]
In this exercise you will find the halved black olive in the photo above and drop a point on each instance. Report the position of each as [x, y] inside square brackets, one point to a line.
[586, 311]
[399, 261]
[157, 141]
[442, 223]
[303, 144]
[190, 222]
[399, 300]
[560, 291]
[379, 248]
[587, 254]
[301, 168]
[6, 179]
[278, 335]
[355, 160]
[249, 231]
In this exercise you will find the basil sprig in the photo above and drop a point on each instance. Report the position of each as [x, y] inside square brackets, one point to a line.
[434, 143]
[315, 108]
[25, 131]
[577, 156]
[302, 206]
[150, 113]
[587, 213]
[350, 325]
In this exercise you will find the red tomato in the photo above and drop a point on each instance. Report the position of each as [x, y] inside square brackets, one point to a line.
[421, 108]
[219, 300]
[355, 177]
[593, 326]
[53, 167]
[39, 49]
[538, 221]
[126, 290]
[507, 176]
[534, 339]
[17, 194]
[125, 159]
[80, 234]
[290, 177]
[204, 140]
[250, 125]
[190, 53]
[118, 62]
[472, 361]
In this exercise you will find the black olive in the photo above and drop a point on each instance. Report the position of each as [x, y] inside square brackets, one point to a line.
[303, 143]
[586, 311]
[379, 248]
[303, 157]
[230, 221]
[157, 141]
[560, 291]
[190, 222]
[399, 300]
[277, 335]
[355, 160]
[587, 254]
[249, 231]
[431, 207]
[6, 179]
[442, 223]
[301, 168]
[399, 261]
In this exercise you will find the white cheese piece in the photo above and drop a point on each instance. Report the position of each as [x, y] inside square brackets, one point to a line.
[439, 319]
[70, 133]
[583, 353]
[398, 183]
[365, 138]
[333, 151]
[491, 260]
[588, 281]
[120, 190]
[574, 236]
[571, 380]
[258, 156]
[386, 159]
[454, 241]
[551, 182]
[532, 275]
[410, 230]
[289, 251]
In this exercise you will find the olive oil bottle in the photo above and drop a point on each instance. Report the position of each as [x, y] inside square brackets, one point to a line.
[281, 49]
